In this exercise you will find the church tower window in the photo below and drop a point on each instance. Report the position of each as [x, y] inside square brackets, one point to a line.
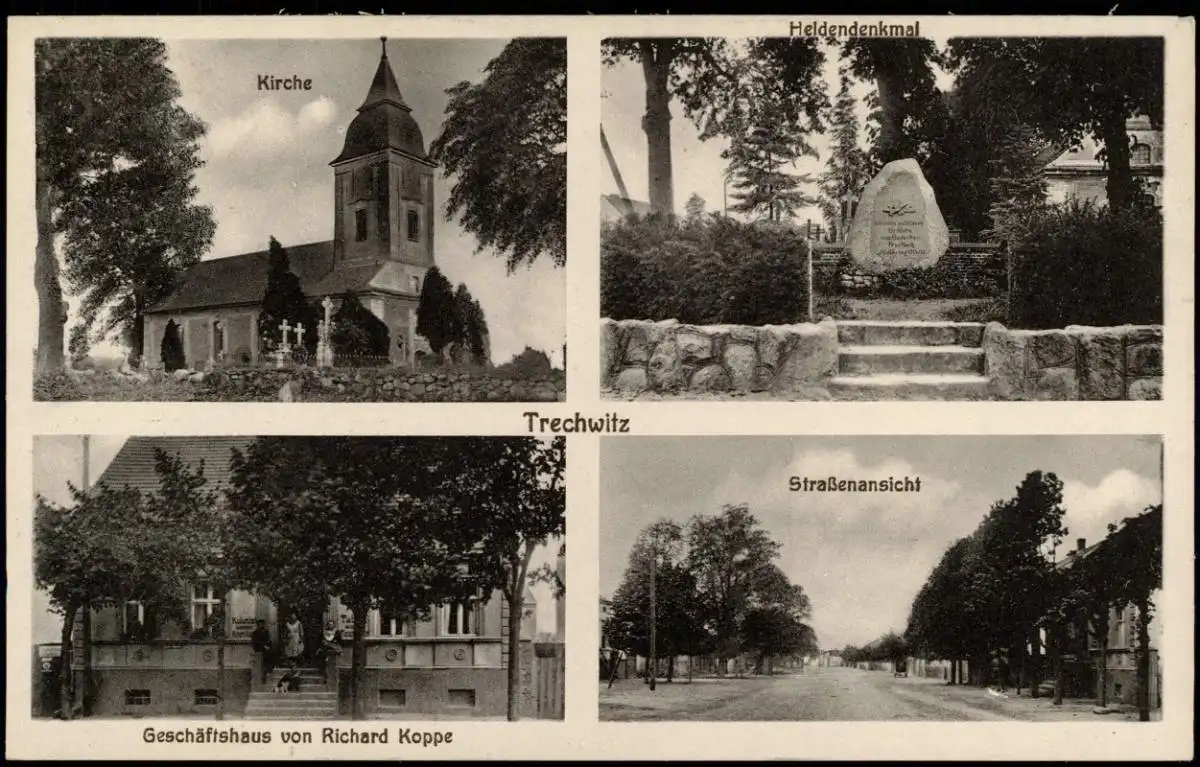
[1139, 154]
[414, 226]
[360, 225]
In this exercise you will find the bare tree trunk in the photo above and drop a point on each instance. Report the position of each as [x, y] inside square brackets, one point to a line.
[890, 129]
[1035, 658]
[516, 603]
[45, 278]
[656, 58]
[1143, 661]
[1057, 639]
[1102, 671]
[221, 661]
[1120, 186]
[67, 686]
[85, 694]
[358, 658]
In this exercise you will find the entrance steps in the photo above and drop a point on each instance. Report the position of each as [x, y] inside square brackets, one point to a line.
[313, 701]
[910, 360]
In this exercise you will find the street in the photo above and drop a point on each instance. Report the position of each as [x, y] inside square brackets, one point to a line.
[823, 694]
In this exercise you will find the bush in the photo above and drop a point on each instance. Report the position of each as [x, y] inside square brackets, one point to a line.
[715, 271]
[55, 387]
[357, 332]
[530, 363]
[938, 281]
[1085, 264]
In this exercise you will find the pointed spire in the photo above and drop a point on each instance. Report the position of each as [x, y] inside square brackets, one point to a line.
[383, 88]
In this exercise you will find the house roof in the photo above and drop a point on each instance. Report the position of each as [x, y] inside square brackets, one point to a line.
[615, 206]
[242, 279]
[134, 464]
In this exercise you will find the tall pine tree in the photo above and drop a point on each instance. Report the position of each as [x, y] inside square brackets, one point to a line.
[471, 324]
[284, 300]
[437, 315]
[357, 332]
[757, 162]
[847, 170]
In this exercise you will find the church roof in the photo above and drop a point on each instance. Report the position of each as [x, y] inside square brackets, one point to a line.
[243, 279]
[133, 465]
[383, 121]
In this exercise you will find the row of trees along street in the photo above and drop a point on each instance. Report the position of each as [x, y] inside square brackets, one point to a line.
[999, 593]
[717, 593]
[116, 167]
[379, 523]
[1011, 98]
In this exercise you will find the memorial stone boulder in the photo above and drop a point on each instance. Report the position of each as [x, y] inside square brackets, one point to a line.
[898, 223]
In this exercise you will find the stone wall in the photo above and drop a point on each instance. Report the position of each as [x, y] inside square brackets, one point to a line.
[637, 355]
[1075, 363]
[377, 385]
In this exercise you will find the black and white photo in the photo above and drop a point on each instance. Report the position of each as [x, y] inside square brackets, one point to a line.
[882, 217]
[299, 578]
[980, 578]
[321, 220]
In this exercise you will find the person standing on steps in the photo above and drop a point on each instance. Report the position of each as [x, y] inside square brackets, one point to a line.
[293, 647]
[260, 642]
[331, 646]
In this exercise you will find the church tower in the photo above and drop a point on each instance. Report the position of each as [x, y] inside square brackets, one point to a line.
[383, 185]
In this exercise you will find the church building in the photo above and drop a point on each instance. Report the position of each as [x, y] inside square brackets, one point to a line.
[382, 246]
[453, 664]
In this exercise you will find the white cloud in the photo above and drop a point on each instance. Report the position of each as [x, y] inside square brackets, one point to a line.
[267, 129]
[1121, 493]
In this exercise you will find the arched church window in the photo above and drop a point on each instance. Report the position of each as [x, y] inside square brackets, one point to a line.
[414, 226]
[360, 225]
[1139, 154]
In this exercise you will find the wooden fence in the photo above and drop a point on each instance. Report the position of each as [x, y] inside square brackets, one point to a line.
[550, 670]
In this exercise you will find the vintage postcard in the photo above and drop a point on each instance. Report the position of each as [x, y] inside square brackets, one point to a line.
[870, 449]
[323, 220]
[883, 216]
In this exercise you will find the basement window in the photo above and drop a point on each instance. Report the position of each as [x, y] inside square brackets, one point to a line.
[206, 697]
[461, 698]
[392, 698]
[137, 697]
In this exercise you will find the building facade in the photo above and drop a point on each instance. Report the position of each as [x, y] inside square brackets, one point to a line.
[1079, 172]
[453, 663]
[382, 246]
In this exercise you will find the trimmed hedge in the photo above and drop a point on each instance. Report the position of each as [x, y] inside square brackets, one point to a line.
[1085, 264]
[709, 272]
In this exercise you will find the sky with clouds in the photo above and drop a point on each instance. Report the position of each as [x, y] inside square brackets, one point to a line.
[58, 460]
[863, 557]
[697, 165]
[267, 157]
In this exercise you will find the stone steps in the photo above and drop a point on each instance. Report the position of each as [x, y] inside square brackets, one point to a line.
[890, 386]
[313, 701]
[910, 360]
[909, 333]
[872, 360]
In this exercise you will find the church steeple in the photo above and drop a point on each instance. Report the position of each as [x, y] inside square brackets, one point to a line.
[383, 88]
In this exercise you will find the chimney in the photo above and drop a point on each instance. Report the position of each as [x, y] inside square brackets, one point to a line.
[1080, 544]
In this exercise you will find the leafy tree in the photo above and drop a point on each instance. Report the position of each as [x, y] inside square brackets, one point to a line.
[437, 315]
[694, 209]
[78, 345]
[774, 632]
[678, 617]
[115, 159]
[472, 325]
[504, 141]
[846, 171]
[1132, 554]
[727, 552]
[171, 348]
[1068, 88]
[284, 299]
[510, 494]
[357, 331]
[528, 363]
[1017, 186]
[908, 110]
[358, 518]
